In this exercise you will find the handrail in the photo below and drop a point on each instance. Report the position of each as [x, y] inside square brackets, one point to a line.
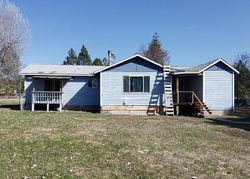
[194, 98]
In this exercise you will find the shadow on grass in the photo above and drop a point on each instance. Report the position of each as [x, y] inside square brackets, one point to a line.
[240, 118]
[229, 123]
[10, 106]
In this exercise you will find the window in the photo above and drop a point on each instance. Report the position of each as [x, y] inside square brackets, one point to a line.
[136, 84]
[92, 83]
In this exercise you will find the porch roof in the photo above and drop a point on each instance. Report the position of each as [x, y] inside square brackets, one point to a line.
[60, 70]
[200, 68]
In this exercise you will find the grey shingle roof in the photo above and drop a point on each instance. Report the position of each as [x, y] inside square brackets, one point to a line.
[60, 70]
[195, 69]
[202, 66]
[78, 70]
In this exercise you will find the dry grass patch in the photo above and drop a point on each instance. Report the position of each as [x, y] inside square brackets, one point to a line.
[85, 145]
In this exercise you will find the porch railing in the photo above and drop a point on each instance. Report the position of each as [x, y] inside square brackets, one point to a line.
[44, 97]
[185, 97]
[189, 98]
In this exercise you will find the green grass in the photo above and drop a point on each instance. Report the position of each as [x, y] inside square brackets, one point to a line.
[86, 145]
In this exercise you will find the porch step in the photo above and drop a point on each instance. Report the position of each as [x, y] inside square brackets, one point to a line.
[201, 108]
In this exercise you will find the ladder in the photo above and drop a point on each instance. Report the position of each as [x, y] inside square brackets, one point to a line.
[169, 108]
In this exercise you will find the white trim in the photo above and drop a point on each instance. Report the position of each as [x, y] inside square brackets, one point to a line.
[25, 84]
[101, 89]
[187, 72]
[122, 61]
[233, 92]
[219, 60]
[57, 75]
[204, 87]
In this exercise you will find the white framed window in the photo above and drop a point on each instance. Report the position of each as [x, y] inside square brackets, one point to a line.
[136, 84]
[92, 83]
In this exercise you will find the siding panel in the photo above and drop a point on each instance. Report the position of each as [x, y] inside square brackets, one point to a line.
[219, 90]
[77, 93]
[112, 89]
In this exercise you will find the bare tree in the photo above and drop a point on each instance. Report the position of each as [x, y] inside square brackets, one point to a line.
[14, 33]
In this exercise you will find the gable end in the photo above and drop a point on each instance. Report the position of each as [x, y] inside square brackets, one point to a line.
[136, 64]
[220, 66]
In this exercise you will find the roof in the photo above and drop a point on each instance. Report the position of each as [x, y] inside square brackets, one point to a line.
[60, 70]
[200, 68]
[80, 70]
[127, 59]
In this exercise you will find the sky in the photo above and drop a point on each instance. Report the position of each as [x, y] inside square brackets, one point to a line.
[193, 31]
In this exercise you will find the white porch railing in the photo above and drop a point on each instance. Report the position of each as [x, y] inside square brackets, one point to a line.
[46, 97]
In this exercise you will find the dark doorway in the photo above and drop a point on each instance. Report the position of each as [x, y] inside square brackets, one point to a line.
[52, 85]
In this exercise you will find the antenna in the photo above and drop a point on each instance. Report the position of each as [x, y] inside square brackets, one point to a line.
[111, 56]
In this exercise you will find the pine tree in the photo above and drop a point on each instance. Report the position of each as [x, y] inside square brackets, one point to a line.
[71, 58]
[155, 51]
[97, 62]
[242, 80]
[84, 57]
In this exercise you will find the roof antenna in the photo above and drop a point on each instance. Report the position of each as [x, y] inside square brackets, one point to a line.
[111, 56]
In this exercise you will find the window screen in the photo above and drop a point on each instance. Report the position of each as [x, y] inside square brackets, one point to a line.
[136, 84]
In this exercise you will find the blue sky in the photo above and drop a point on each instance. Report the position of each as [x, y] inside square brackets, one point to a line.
[193, 31]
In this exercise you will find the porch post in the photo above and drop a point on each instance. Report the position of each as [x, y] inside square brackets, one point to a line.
[47, 106]
[60, 108]
[100, 92]
[32, 101]
[177, 97]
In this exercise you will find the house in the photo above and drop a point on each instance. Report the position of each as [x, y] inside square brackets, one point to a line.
[134, 85]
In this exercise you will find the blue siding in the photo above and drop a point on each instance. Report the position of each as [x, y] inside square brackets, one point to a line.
[112, 89]
[77, 93]
[28, 89]
[136, 65]
[220, 67]
[30, 84]
[218, 90]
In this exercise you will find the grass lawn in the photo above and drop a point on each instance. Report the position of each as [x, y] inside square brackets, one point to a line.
[86, 145]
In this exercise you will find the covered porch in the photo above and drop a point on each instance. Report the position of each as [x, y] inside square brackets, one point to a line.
[188, 95]
[47, 91]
